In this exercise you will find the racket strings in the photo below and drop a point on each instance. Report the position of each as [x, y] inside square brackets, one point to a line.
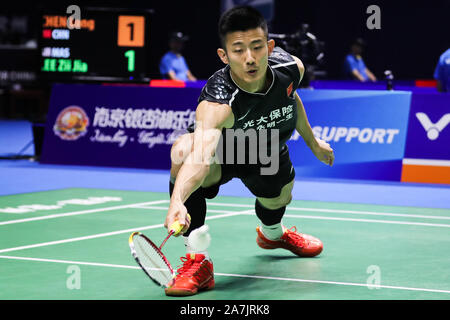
[152, 261]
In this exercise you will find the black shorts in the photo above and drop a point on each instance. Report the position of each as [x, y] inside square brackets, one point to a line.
[264, 186]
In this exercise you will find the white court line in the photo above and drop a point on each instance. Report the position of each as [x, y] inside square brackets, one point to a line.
[209, 210]
[371, 221]
[67, 214]
[252, 212]
[99, 235]
[334, 282]
[71, 262]
[107, 234]
[232, 275]
[375, 213]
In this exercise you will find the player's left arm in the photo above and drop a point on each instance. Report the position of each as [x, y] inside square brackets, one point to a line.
[320, 148]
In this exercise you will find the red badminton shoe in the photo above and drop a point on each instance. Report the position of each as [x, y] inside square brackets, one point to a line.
[195, 274]
[300, 244]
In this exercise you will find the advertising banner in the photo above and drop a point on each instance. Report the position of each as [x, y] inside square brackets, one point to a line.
[427, 154]
[123, 126]
[133, 126]
[366, 129]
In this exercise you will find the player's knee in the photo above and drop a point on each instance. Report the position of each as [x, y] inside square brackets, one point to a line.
[276, 203]
[283, 201]
[181, 148]
[289, 199]
[213, 175]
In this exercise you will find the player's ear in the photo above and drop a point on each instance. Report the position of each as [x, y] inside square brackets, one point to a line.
[270, 46]
[222, 55]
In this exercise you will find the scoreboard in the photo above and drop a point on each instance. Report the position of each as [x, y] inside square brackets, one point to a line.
[100, 44]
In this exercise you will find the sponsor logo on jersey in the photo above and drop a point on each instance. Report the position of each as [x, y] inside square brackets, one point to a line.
[289, 89]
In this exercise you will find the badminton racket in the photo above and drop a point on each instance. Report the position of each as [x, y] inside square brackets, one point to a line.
[150, 257]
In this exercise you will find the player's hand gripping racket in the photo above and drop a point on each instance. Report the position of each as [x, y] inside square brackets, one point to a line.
[150, 257]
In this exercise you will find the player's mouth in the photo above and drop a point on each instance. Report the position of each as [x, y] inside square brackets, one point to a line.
[252, 72]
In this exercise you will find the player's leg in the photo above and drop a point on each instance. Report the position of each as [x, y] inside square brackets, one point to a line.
[274, 193]
[270, 211]
[272, 234]
[282, 200]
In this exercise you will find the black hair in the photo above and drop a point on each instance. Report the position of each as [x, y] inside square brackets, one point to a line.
[240, 18]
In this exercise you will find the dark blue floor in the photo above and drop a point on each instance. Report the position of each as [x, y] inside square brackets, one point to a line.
[14, 137]
[23, 176]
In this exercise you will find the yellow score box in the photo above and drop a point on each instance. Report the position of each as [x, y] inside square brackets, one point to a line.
[131, 31]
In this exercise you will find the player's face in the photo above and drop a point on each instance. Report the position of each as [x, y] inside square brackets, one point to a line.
[247, 53]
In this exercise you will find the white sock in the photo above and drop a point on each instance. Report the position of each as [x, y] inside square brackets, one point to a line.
[191, 250]
[273, 232]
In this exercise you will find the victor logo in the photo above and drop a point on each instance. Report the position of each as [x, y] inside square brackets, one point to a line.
[433, 129]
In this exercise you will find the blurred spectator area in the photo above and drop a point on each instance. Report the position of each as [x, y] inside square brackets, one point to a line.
[21, 95]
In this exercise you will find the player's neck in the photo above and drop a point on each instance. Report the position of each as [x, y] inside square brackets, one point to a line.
[258, 86]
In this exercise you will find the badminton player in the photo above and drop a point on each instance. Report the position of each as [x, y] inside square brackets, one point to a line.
[255, 90]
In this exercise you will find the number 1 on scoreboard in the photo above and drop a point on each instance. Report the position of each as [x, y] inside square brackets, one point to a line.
[131, 31]
[130, 55]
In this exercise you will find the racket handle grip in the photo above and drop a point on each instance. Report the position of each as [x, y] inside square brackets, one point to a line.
[176, 227]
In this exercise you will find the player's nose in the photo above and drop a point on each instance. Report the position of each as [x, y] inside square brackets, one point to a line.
[249, 58]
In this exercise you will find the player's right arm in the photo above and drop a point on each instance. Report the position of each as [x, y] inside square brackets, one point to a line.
[211, 118]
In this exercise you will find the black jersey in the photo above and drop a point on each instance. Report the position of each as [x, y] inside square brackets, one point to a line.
[274, 109]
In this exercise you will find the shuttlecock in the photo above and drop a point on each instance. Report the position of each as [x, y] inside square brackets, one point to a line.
[199, 239]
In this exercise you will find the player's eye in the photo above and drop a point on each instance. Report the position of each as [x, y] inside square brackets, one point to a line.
[238, 50]
[257, 48]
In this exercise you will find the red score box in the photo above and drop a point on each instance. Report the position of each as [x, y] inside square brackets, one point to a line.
[167, 83]
[47, 33]
[426, 83]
